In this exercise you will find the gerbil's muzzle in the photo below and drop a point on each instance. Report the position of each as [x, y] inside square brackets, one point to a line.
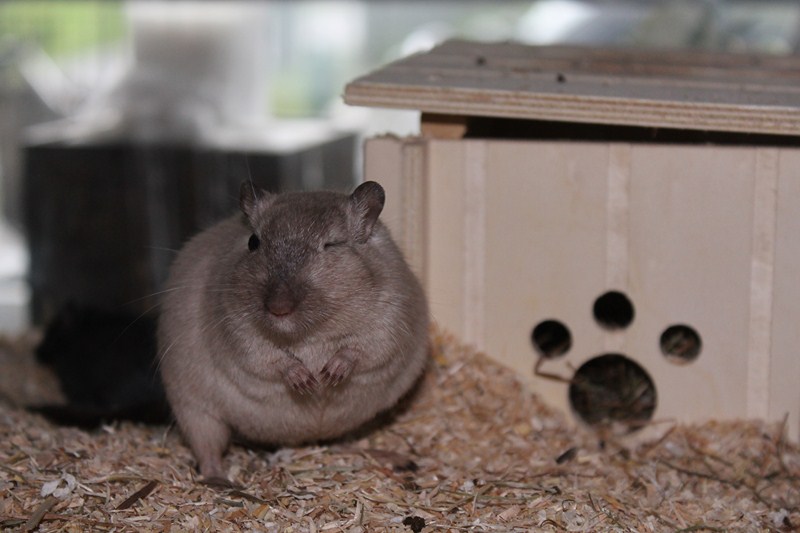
[282, 299]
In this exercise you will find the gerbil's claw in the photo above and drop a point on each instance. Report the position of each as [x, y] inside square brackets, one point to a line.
[337, 369]
[301, 380]
[308, 386]
[331, 378]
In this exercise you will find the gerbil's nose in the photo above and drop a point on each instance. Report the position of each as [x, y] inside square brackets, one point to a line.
[281, 302]
[280, 306]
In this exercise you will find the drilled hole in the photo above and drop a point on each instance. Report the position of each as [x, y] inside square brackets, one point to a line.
[612, 390]
[613, 310]
[551, 339]
[681, 344]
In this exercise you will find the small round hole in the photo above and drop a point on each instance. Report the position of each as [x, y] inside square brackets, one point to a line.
[681, 344]
[551, 339]
[613, 310]
[612, 389]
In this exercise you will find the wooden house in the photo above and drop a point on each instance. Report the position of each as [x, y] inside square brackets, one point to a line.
[599, 218]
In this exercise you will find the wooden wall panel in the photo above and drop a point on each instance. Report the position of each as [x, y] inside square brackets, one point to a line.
[519, 232]
[690, 259]
[784, 370]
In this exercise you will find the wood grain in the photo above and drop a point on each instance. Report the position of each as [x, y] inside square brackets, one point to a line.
[669, 89]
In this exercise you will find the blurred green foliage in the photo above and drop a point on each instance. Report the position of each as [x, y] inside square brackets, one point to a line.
[63, 27]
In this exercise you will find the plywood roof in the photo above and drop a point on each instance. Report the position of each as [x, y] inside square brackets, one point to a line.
[702, 91]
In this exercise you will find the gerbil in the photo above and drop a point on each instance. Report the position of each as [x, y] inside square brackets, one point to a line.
[105, 363]
[296, 322]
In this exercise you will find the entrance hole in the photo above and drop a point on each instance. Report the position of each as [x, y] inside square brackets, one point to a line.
[551, 339]
[680, 344]
[612, 389]
[613, 310]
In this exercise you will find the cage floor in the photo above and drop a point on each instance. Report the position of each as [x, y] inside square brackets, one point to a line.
[473, 452]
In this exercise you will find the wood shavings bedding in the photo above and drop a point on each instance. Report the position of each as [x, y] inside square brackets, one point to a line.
[474, 451]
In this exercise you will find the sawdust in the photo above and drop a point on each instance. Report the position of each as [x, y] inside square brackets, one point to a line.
[475, 451]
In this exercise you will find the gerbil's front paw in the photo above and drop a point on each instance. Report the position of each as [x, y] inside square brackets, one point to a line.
[300, 379]
[338, 367]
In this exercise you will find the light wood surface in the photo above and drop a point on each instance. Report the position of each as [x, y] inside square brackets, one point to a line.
[718, 92]
[520, 232]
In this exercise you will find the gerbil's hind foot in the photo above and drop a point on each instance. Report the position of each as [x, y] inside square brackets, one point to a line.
[221, 483]
[208, 438]
[338, 368]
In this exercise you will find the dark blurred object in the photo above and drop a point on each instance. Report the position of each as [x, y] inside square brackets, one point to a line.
[104, 219]
[106, 364]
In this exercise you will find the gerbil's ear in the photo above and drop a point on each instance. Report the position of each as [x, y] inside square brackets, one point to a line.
[366, 204]
[251, 197]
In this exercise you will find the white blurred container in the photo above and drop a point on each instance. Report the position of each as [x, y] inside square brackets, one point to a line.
[195, 66]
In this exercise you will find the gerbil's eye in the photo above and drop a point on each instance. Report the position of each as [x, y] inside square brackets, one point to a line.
[254, 242]
[333, 244]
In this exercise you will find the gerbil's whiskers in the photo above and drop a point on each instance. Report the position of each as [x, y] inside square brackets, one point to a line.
[132, 322]
[163, 249]
[152, 294]
[249, 175]
[165, 352]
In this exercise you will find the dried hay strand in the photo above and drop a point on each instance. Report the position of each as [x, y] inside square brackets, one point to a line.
[474, 451]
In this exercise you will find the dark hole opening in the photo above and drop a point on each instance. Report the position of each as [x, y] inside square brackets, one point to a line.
[681, 343]
[613, 310]
[551, 339]
[612, 389]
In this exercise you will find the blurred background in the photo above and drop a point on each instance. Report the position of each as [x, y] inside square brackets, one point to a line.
[127, 126]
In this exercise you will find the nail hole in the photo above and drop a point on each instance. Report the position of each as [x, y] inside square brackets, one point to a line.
[613, 310]
[551, 339]
[612, 390]
[680, 344]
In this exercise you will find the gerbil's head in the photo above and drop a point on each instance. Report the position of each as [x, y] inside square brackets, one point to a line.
[305, 266]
